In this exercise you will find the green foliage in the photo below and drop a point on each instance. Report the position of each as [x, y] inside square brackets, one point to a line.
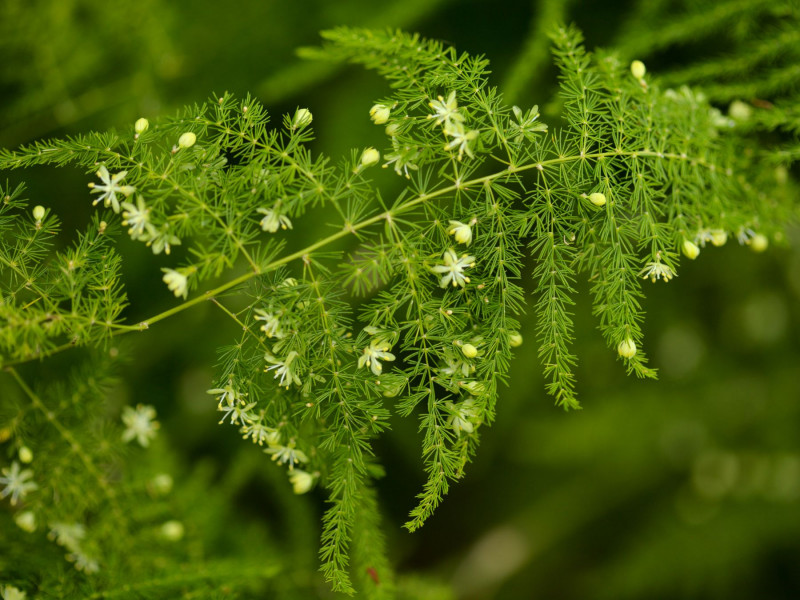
[409, 304]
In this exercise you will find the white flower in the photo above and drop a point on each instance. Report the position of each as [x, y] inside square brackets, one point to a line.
[108, 191]
[17, 483]
[68, 535]
[83, 562]
[239, 413]
[177, 282]
[301, 481]
[138, 217]
[657, 270]
[462, 416]
[273, 220]
[453, 269]
[287, 455]
[380, 114]
[13, 593]
[446, 111]
[260, 434]
[461, 138]
[161, 241]
[272, 324]
[302, 118]
[376, 351]
[284, 369]
[461, 232]
[227, 395]
[139, 423]
[187, 140]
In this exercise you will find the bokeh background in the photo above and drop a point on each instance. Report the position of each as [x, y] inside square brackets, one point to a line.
[688, 487]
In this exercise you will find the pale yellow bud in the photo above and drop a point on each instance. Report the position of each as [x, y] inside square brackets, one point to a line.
[302, 118]
[690, 250]
[187, 140]
[740, 111]
[638, 69]
[627, 348]
[598, 199]
[38, 212]
[25, 455]
[301, 481]
[379, 114]
[141, 125]
[370, 157]
[469, 350]
[515, 339]
[759, 243]
[26, 521]
[172, 531]
[461, 232]
[718, 237]
[392, 129]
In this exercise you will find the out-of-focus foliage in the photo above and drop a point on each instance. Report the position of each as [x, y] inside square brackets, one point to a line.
[683, 488]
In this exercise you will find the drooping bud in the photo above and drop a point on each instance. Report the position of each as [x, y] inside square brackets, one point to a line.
[638, 69]
[741, 111]
[598, 199]
[38, 212]
[26, 521]
[461, 232]
[515, 339]
[718, 237]
[187, 140]
[392, 129]
[690, 249]
[627, 348]
[370, 157]
[25, 455]
[301, 481]
[172, 531]
[302, 118]
[759, 243]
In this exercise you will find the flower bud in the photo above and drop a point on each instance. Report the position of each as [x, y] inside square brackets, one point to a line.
[302, 118]
[469, 350]
[515, 339]
[392, 129]
[627, 348]
[141, 126]
[759, 243]
[461, 232]
[187, 140]
[160, 485]
[38, 212]
[172, 531]
[301, 481]
[370, 157]
[26, 521]
[598, 199]
[638, 69]
[740, 111]
[690, 250]
[25, 455]
[379, 114]
[718, 237]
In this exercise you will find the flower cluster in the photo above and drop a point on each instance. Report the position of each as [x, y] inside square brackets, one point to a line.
[446, 113]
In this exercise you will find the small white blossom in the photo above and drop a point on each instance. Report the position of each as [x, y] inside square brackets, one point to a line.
[285, 369]
[446, 111]
[108, 191]
[13, 593]
[139, 423]
[138, 217]
[287, 455]
[83, 562]
[227, 395]
[17, 483]
[272, 324]
[657, 270]
[260, 434]
[301, 481]
[238, 413]
[375, 352]
[453, 269]
[461, 138]
[461, 232]
[160, 241]
[403, 159]
[68, 535]
[177, 282]
[273, 220]
[463, 416]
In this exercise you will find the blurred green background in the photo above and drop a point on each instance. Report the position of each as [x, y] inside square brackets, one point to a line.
[684, 488]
